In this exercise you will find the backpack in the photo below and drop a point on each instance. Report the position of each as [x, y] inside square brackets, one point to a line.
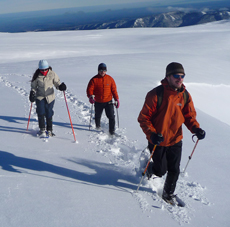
[160, 91]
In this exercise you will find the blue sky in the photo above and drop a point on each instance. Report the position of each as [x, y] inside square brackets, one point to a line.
[11, 6]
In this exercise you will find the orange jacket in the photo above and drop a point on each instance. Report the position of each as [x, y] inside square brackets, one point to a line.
[170, 116]
[104, 88]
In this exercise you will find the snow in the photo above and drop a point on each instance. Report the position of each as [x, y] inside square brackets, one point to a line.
[93, 182]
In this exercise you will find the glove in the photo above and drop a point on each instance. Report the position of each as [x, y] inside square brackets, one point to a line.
[91, 99]
[200, 133]
[62, 87]
[32, 96]
[117, 103]
[156, 138]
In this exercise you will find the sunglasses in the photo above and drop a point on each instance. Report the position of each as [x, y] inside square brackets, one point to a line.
[176, 76]
[102, 70]
[43, 70]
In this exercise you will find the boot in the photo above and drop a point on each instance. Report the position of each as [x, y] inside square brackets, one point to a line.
[42, 132]
[50, 133]
[169, 198]
[169, 188]
[49, 126]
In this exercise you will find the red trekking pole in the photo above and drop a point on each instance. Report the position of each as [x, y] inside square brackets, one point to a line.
[69, 117]
[143, 174]
[29, 116]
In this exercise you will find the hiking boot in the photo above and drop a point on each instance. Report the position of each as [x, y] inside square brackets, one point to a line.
[50, 133]
[42, 132]
[98, 128]
[169, 198]
[111, 133]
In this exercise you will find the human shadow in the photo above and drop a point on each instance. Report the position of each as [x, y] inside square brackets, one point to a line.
[22, 121]
[105, 174]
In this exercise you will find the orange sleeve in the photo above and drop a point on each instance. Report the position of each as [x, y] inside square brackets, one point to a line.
[90, 88]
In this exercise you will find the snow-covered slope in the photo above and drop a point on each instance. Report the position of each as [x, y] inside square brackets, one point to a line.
[94, 182]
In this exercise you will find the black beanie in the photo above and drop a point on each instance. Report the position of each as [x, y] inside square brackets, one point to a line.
[174, 68]
[102, 66]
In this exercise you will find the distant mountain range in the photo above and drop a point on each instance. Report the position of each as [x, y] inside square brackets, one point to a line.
[170, 19]
[110, 19]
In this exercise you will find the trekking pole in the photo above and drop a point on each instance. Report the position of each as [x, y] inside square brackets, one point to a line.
[29, 116]
[117, 115]
[69, 116]
[190, 157]
[90, 116]
[117, 118]
[143, 174]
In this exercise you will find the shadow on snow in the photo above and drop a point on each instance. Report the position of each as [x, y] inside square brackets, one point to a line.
[106, 174]
[22, 121]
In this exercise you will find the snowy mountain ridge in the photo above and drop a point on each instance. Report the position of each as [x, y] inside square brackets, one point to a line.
[168, 19]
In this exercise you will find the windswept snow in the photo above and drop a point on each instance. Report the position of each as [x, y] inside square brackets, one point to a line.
[94, 182]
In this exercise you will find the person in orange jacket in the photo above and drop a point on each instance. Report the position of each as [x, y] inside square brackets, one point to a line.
[100, 91]
[163, 127]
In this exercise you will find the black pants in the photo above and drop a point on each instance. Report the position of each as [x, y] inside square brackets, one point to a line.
[109, 111]
[167, 159]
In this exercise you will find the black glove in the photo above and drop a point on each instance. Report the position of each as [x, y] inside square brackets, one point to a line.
[32, 96]
[200, 133]
[62, 87]
[156, 138]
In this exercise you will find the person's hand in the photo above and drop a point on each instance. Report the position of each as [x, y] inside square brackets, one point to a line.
[62, 86]
[91, 99]
[156, 138]
[32, 96]
[200, 133]
[117, 103]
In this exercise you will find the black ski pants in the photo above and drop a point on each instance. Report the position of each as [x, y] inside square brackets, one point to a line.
[167, 159]
[109, 111]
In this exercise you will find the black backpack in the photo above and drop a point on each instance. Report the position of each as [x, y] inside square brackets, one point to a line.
[160, 91]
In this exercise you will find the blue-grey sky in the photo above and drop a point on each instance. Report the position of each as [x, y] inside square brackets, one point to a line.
[12, 6]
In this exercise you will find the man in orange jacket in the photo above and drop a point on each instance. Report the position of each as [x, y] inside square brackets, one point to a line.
[163, 127]
[100, 91]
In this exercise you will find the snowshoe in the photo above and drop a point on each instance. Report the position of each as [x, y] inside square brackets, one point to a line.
[172, 199]
[42, 133]
[50, 133]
